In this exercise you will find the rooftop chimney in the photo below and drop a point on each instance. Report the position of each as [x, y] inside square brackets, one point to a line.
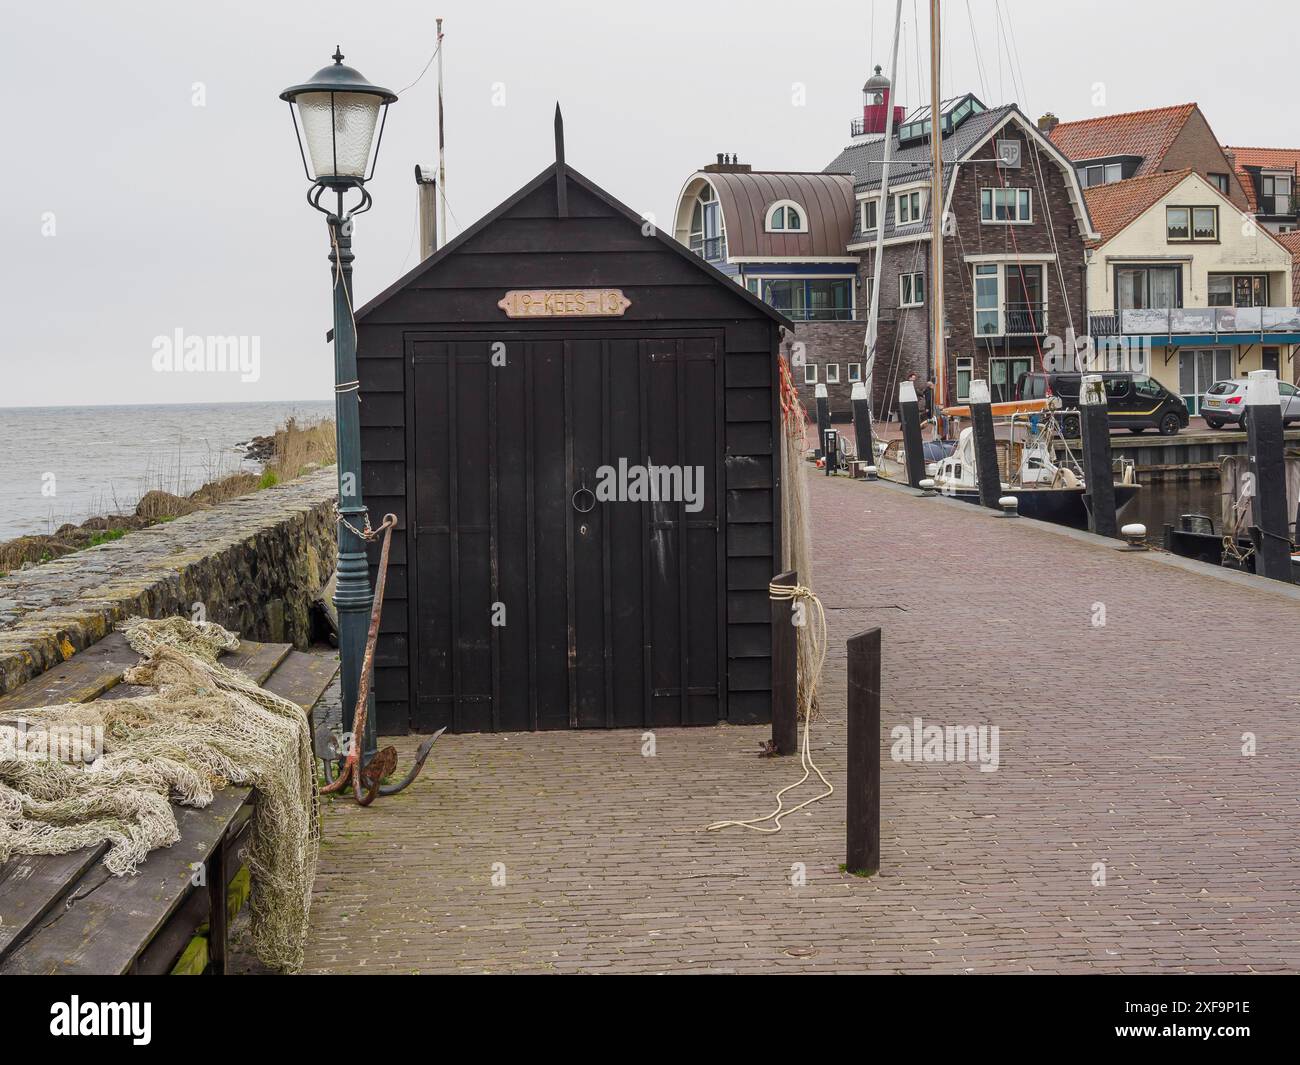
[727, 164]
[1048, 123]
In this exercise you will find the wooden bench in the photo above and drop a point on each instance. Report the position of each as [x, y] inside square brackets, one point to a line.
[67, 914]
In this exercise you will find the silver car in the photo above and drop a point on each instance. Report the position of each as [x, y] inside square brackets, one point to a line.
[1225, 404]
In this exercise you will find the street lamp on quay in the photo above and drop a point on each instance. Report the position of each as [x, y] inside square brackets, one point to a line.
[336, 113]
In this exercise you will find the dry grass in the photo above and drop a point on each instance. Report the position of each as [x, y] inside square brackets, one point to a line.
[300, 448]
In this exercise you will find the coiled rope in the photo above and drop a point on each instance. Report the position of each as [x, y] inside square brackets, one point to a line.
[794, 593]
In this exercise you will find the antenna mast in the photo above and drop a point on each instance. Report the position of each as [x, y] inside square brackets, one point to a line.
[442, 152]
[936, 218]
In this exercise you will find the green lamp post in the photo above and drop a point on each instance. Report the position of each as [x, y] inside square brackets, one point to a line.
[336, 113]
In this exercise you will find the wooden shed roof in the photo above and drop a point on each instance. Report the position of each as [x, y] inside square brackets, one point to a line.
[552, 175]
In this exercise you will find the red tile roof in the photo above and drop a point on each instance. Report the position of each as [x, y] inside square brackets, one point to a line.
[1269, 158]
[1145, 133]
[1291, 241]
[1114, 206]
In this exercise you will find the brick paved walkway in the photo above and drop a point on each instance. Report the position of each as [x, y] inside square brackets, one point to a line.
[1118, 744]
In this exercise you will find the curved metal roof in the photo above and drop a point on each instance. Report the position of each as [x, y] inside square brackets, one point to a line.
[827, 201]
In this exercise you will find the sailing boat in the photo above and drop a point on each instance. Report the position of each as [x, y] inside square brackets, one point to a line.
[1044, 487]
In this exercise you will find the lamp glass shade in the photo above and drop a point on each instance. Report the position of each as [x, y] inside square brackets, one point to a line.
[339, 129]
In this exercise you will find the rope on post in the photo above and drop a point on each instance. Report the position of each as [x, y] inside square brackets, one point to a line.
[795, 593]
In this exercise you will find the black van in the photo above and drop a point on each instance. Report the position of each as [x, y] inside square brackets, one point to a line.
[1134, 401]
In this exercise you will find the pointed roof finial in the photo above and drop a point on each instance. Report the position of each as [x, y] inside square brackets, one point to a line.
[561, 185]
[338, 55]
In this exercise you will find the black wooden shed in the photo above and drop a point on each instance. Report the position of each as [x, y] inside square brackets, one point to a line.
[501, 380]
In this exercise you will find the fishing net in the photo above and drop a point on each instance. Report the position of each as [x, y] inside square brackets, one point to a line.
[204, 727]
[796, 528]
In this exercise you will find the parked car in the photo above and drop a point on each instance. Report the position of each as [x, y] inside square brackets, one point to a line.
[1134, 401]
[1225, 403]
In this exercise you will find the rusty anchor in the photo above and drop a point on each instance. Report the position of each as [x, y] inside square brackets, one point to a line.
[367, 778]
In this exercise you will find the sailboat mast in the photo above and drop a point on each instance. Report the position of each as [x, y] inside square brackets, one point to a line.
[442, 154]
[936, 218]
[873, 316]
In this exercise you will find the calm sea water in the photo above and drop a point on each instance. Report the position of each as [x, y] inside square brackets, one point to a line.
[65, 464]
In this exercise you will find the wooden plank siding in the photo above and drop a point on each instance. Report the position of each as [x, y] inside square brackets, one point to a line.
[452, 300]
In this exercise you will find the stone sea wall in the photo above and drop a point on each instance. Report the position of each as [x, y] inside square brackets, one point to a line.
[254, 564]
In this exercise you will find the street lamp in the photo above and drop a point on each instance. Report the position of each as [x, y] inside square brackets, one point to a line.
[336, 113]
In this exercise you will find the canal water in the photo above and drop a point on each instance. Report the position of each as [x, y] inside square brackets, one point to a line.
[1163, 502]
[66, 464]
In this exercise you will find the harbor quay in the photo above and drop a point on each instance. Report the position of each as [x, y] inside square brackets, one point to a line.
[1139, 818]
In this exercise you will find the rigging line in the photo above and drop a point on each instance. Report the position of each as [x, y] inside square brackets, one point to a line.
[1015, 46]
[1017, 84]
[415, 229]
[1020, 266]
[1051, 232]
[425, 70]
[1002, 95]
[975, 42]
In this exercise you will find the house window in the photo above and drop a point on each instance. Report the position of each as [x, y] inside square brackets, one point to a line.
[1275, 194]
[855, 371]
[832, 373]
[911, 290]
[786, 217]
[1009, 300]
[1220, 182]
[1006, 205]
[1100, 174]
[1192, 223]
[907, 207]
[965, 371]
[1237, 290]
[816, 299]
[1142, 287]
[988, 299]
[810, 373]
[870, 215]
[1025, 313]
[707, 238]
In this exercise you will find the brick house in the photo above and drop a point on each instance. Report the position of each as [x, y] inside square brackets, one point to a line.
[1015, 225]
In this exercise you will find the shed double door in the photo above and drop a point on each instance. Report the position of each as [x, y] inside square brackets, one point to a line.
[539, 603]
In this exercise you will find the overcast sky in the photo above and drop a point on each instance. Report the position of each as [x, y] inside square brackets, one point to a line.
[167, 215]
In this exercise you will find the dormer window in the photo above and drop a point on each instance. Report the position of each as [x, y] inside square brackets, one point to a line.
[870, 215]
[908, 207]
[786, 216]
[1275, 193]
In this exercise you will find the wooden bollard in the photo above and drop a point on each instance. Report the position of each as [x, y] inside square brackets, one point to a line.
[909, 413]
[862, 818]
[1267, 466]
[862, 424]
[1098, 468]
[986, 446]
[823, 418]
[785, 670]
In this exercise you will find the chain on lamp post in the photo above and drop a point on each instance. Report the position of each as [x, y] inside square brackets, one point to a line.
[335, 115]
